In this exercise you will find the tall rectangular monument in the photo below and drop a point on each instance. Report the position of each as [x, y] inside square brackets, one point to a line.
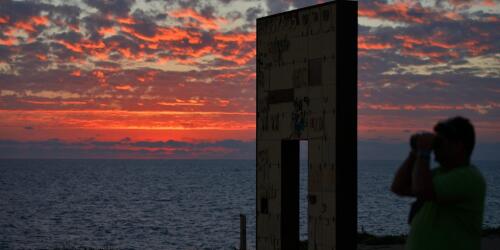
[307, 90]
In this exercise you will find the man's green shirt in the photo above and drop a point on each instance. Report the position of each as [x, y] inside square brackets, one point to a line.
[454, 219]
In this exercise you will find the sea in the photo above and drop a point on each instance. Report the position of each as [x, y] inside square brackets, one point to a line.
[172, 204]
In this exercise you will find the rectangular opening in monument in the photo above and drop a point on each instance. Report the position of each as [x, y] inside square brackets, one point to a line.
[290, 169]
[303, 189]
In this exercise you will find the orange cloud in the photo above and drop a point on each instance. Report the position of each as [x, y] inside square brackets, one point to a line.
[26, 26]
[180, 102]
[237, 57]
[436, 56]
[149, 76]
[93, 48]
[153, 45]
[399, 11]
[4, 19]
[440, 83]
[223, 102]
[40, 20]
[74, 28]
[99, 54]
[125, 52]
[453, 16]
[363, 43]
[42, 57]
[474, 48]
[124, 87]
[479, 108]
[367, 12]
[40, 102]
[206, 23]
[236, 37]
[441, 44]
[128, 120]
[489, 3]
[8, 41]
[106, 31]
[72, 47]
[76, 73]
[492, 19]
[408, 41]
[227, 75]
[73, 103]
[116, 124]
[29, 25]
[99, 74]
[191, 53]
[93, 45]
[164, 34]
[125, 20]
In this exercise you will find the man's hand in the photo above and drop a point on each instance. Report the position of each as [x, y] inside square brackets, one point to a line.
[422, 185]
[401, 185]
[424, 141]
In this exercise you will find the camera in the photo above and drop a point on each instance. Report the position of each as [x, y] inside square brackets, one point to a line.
[413, 141]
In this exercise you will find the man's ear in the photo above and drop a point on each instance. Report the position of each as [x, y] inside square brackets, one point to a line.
[460, 147]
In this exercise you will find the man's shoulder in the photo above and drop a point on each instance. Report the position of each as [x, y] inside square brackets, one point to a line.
[475, 174]
[466, 169]
[465, 174]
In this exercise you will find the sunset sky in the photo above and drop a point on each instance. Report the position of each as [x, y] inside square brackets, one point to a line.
[176, 79]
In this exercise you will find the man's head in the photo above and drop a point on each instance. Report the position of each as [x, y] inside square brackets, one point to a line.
[455, 139]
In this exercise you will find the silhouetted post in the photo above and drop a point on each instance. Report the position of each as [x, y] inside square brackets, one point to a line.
[243, 232]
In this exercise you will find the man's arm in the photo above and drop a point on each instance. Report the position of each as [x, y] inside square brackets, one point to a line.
[422, 185]
[401, 185]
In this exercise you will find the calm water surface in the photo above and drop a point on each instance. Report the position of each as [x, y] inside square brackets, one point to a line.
[169, 204]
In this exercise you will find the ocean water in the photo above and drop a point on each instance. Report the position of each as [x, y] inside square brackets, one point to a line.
[170, 204]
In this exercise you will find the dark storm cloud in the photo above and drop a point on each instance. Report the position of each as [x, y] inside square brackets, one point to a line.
[208, 11]
[367, 149]
[144, 26]
[225, 149]
[71, 36]
[378, 150]
[225, 1]
[276, 6]
[304, 3]
[5, 52]
[115, 7]
[96, 21]
[70, 14]
[188, 3]
[18, 11]
[158, 144]
[234, 15]
[253, 13]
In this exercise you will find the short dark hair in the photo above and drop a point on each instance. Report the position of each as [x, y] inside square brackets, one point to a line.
[458, 129]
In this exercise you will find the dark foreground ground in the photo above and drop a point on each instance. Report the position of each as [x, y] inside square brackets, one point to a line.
[490, 241]
[366, 241]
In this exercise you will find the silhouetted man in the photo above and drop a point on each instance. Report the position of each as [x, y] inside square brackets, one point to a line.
[451, 196]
